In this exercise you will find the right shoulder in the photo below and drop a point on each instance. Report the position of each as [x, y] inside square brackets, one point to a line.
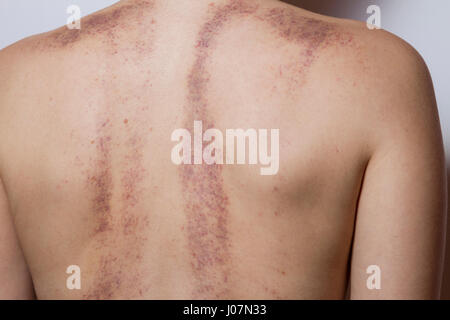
[384, 83]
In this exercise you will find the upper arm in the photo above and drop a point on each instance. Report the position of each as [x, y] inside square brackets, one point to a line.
[15, 280]
[400, 223]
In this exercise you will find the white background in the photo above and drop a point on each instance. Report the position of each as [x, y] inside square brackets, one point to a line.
[423, 23]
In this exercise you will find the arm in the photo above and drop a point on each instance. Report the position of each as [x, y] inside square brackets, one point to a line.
[15, 279]
[401, 216]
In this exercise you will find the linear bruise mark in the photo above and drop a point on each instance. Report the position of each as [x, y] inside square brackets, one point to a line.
[132, 189]
[117, 173]
[311, 35]
[105, 22]
[111, 280]
[101, 182]
[294, 27]
[120, 233]
[206, 202]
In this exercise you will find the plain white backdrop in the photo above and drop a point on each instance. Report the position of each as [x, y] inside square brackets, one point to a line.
[423, 23]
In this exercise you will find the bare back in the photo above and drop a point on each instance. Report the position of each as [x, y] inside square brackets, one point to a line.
[86, 153]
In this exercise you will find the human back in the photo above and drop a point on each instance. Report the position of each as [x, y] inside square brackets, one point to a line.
[91, 182]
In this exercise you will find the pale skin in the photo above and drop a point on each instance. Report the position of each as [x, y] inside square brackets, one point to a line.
[85, 126]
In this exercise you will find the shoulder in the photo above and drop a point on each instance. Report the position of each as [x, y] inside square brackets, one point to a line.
[396, 84]
[377, 80]
[385, 80]
[15, 67]
[347, 45]
[95, 26]
[38, 56]
[350, 42]
[395, 100]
